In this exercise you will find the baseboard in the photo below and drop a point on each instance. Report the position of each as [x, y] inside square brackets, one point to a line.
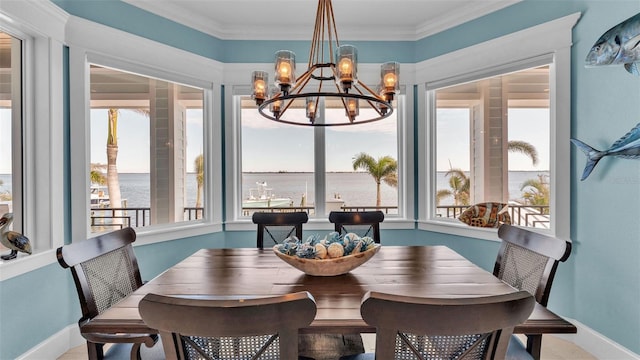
[596, 344]
[56, 345]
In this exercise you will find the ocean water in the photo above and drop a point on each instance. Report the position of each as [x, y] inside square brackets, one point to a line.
[356, 189]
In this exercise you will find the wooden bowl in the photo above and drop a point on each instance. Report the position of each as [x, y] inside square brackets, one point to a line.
[328, 267]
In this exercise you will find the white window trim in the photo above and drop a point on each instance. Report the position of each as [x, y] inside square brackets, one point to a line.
[41, 26]
[237, 82]
[552, 38]
[90, 42]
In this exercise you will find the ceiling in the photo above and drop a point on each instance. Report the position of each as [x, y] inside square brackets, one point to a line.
[293, 19]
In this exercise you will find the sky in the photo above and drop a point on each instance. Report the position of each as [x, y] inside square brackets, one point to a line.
[270, 146]
[134, 139]
[529, 125]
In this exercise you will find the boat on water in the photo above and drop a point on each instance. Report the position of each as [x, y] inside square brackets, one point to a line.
[263, 197]
[99, 196]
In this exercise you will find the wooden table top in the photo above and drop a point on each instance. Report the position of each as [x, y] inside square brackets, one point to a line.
[435, 271]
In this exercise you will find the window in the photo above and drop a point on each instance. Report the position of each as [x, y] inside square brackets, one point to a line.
[492, 146]
[11, 128]
[482, 108]
[167, 116]
[147, 160]
[31, 131]
[287, 167]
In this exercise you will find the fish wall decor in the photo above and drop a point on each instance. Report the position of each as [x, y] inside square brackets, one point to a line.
[627, 147]
[620, 45]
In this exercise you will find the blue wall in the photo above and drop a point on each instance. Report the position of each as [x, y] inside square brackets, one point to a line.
[599, 285]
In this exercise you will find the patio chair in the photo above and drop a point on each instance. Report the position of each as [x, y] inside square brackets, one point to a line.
[200, 326]
[275, 227]
[443, 328]
[105, 270]
[363, 223]
[528, 261]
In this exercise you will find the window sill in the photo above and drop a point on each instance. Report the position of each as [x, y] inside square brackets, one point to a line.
[175, 231]
[25, 263]
[459, 229]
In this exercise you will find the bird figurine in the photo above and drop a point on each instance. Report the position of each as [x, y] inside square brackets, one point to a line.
[12, 240]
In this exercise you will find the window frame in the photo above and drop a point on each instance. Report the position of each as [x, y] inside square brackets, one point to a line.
[42, 169]
[551, 40]
[92, 43]
[237, 83]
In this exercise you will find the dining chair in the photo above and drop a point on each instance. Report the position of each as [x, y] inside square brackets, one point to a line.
[528, 261]
[277, 226]
[105, 270]
[467, 328]
[363, 223]
[224, 327]
[274, 228]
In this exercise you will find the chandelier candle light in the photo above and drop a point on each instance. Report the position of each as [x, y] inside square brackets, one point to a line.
[340, 72]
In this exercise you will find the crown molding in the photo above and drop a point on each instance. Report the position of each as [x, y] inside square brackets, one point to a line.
[373, 32]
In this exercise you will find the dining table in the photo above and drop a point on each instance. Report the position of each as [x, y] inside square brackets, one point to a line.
[426, 271]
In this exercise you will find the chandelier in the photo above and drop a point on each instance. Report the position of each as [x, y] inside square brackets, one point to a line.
[330, 75]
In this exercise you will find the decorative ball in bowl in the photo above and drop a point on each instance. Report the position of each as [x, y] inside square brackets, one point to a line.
[330, 256]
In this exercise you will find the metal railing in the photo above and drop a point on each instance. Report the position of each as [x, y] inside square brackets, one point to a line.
[134, 217]
[522, 215]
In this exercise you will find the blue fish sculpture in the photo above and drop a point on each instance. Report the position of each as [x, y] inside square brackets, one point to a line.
[619, 45]
[627, 147]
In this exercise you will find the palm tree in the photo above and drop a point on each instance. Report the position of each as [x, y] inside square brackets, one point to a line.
[460, 186]
[460, 183]
[113, 182]
[383, 169]
[524, 148]
[198, 165]
[4, 195]
[538, 191]
[96, 174]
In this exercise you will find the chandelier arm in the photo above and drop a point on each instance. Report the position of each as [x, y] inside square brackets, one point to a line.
[288, 103]
[373, 106]
[332, 19]
[291, 97]
[303, 79]
[313, 51]
[302, 83]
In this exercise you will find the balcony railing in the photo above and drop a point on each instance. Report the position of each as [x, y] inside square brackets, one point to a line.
[104, 218]
[522, 215]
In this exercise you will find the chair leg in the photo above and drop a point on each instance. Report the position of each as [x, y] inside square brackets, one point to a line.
[95, 351]
[135, 352]
[534, 345]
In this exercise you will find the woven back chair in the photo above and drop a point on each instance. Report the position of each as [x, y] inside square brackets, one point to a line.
[207, 327]
[105, 270]
[528, 261]
[273, 228]
[362, 223]
[476, 328]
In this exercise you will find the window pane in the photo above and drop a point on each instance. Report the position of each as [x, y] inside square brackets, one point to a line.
[492, 144]
[10, 129]
[277, 161]
[146, 150]
[375, 147]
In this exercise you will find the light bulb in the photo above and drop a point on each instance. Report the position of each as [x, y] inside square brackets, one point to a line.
[390, 80]
[259, 87]
[346, 68]
[284, 70]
